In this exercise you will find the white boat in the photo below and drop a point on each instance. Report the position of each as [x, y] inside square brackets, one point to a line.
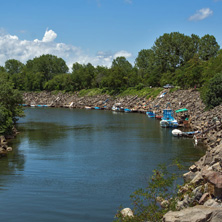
[169, 123]
[177, 132]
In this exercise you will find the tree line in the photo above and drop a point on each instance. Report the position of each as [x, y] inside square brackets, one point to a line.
[175, 58]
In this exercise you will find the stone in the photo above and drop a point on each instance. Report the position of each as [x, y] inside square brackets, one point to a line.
[198, 213]
[127, 212]
[193, 168]
[164, 204]
[197, 193]
[216, 167]
[214, 178]
[9, 149]
[189, 176]
[204, 198]
[197, 179]
[212, 203]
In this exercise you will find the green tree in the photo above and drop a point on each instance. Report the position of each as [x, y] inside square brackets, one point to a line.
[212, 92]
[208, 47]
[172, 50]
[83, 76]
[60, 82]
[146, 63]
[213, 66]
[192, 73]
[9, 105]
[13, 66]
[48, 65]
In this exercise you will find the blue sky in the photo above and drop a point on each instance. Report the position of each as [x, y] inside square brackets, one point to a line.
[98, 31]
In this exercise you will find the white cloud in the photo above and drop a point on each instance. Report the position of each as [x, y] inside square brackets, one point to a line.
[49, 36]
[201, 14]
[122, 53]
[11, 47]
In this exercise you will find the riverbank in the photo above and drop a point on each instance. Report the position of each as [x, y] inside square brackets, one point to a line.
[204, 179]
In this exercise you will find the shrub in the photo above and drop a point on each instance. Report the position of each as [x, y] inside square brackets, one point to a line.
[212, 92]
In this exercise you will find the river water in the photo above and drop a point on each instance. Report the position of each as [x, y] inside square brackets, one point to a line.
[81, 165]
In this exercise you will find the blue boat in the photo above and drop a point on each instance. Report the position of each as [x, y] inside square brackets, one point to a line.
[168, 119]
[127, 110]
[97, 107]
[151, 114]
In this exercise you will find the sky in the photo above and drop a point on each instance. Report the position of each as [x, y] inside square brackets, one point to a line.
[98, 31]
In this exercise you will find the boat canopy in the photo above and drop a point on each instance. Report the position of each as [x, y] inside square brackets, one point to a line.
[181, 110]
[168, 114]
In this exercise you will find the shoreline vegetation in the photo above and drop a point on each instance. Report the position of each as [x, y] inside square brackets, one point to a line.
[191, 63]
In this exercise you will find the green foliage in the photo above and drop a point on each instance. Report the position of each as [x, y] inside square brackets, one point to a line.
[213, 66]
[13, 66]
[48, 65]
[175, 58]
[144, 92]
[9, 105]
[208, 47]
[212, 92]
[146, 201]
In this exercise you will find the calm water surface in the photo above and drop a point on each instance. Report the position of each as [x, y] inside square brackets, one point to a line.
[81, 165]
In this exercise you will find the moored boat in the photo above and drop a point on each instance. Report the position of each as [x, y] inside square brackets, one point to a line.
[168, 119]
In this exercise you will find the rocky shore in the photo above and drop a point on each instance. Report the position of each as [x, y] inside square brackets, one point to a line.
[204, 180]
[4, 148]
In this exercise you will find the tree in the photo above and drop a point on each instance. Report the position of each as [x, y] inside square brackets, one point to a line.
[212, 94]
[60, 82]
[208, 47]
[83, 75]
[213, 66]
[48, 65]
[173, 50]
[9, 105]
[13, 66]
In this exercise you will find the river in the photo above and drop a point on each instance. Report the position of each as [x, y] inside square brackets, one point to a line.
[81, 165]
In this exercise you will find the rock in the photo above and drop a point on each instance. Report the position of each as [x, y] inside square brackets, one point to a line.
[164, 204]
[197, 193]
[189, 176]
[204, 198]
[184, 203]
[197, 179]
[212, 203]
[9, 149]
[214, 178]
[127, 212]
[216, 167]
[193, 168]
[198, 213]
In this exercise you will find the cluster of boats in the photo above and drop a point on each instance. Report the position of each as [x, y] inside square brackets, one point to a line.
[167, 120]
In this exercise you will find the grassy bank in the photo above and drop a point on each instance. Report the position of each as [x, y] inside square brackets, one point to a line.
[145, 92]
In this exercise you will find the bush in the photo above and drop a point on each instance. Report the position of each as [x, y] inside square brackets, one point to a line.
[212, 92]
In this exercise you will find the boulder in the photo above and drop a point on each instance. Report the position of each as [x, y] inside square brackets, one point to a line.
[214, 178]
[189, 176]
[127, 212]
[198, 213]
